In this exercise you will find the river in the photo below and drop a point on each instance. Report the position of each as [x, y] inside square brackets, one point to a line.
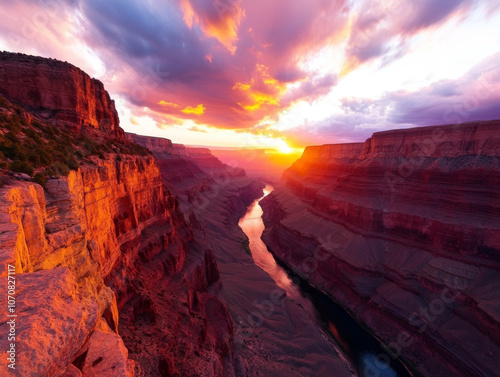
[359, 346]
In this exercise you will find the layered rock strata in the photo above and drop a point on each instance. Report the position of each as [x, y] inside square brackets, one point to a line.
[58, 91]
[403, 231]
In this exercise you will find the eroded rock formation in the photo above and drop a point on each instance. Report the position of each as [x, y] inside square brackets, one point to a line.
[404, 231]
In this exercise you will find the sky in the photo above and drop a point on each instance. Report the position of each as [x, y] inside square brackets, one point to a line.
[273, 73]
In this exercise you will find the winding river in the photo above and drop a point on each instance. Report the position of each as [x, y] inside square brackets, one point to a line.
[359, 346]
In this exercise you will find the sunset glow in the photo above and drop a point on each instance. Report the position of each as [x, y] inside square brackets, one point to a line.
[311, 72]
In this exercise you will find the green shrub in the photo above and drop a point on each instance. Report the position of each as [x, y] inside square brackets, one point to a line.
[33, 135]
[61, 168]
[37, 124]
[40, 178]
[21, 167]
[11, 135]
[34, 158]
[12, 151]
[71, 162]
[45, 157]
[51, 133]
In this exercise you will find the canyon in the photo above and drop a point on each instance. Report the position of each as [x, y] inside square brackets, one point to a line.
[131, 263]
[130, 260]
[403, 232]
[59, 92]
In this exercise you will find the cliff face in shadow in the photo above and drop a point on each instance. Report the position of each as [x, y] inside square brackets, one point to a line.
[403, 230]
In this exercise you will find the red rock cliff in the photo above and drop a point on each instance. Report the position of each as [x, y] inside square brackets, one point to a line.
[404, 231]
[78, 233]
[58, 91]
[107, 269]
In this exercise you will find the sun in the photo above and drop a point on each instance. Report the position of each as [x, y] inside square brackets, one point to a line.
[285, 149]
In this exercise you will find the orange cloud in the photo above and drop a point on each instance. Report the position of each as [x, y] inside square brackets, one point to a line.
[241, 86]
[263, 90]
[260, 100]
[221, 22]
[167, 104]
[198, 110]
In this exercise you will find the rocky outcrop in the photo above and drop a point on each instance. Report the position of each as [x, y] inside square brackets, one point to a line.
[403, 230]
[180, 173]
[58, 91]
[95, 226]
[53, 320]
[206, 160]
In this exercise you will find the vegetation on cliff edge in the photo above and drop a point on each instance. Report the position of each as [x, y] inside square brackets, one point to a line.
[40, 149]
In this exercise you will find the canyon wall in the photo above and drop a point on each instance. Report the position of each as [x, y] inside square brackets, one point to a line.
[110, 280]
[193, 174]
[58, 91]
[72, 236]
[404, 232]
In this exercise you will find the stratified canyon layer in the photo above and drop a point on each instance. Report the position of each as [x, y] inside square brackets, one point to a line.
[404, 232]
[59, 92]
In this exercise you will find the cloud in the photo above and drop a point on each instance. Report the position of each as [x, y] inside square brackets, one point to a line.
[217, 18]
[167, 104]
[239, 64]
[473, 97]
[310, 89]
[384, 27]
[197, 129]
[198, 110]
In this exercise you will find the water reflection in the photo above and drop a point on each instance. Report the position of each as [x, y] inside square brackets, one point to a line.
[253, 226]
